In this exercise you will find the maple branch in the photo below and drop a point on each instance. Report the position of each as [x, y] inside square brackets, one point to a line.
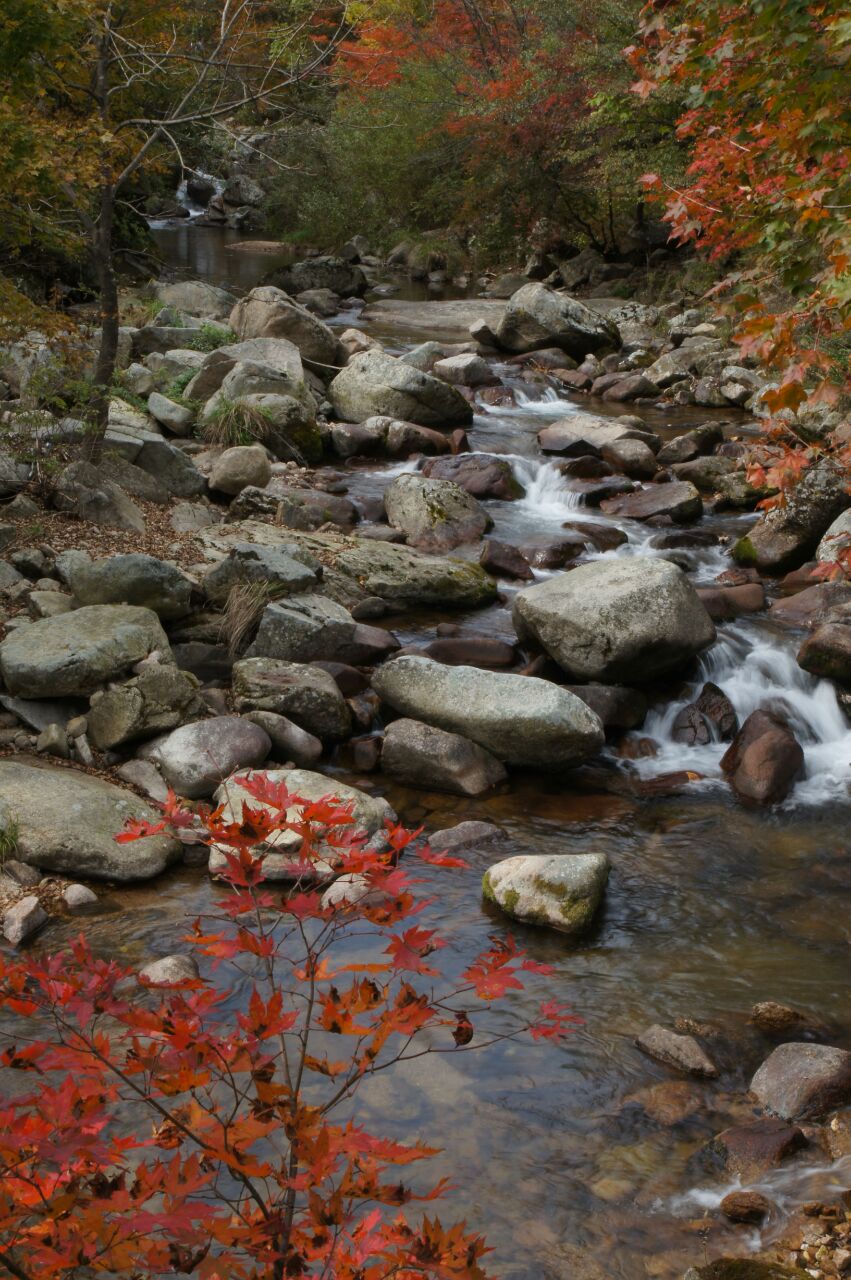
[13, 1267]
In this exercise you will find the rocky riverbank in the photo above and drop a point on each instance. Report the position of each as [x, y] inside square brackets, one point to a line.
[296, 554]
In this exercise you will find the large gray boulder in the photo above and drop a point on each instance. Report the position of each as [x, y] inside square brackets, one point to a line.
[420, 755]
[630, 619]
[786, 536]
[267, 312]
[239, 467]
[281, 854]
[76, 653]
[307, 695]
[804, 1081]
[282, 570]
[197, 298]
[519, 719]
[196, 758]
[67, 823]
[312, 628]
[159, 699]
[131, 579]
[582, 434]
[374, 383]
[435, 515]
[537, 316]
[335, 274]
[562, 891]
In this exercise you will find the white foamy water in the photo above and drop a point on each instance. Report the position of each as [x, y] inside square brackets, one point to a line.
[546, 404]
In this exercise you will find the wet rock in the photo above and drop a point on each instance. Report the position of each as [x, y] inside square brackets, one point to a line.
[289, 742]
[472, 651]
[68, 821]
[585, 433]
[827, 652]
[617, 706]
[170, 971]
[158, 699]
[779, 1020]
[196, 757]
[505, 561]
[745, 1207]
[585, 467]
[281, 856]
[786, 536]
[724, 603]
[562, 891]
[710, 718]
[625, 620]
[631, 457]
[77, 652]
[83, 491]
[552, 552]
[537, 316]
[678, 499]
[749, 1150]
[239, 467]
[434, 515]
[670, 1102]
[375, 383]
[133, 580]
[350, 681]
[519, 719]
[682, 1052]
[803, 1081]
[706, 474]
[466, 835]
[307, 695]
[812, 606]
[691, 445]
[764, 761]
[420, 755]
[23, 919]
[405, 438]
[480, 474]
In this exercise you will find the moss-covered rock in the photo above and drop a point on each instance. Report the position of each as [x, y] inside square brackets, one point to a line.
[561, 892]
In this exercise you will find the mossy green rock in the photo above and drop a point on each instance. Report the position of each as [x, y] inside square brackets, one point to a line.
[563, 891]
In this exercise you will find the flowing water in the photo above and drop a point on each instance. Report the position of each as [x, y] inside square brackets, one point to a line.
[710, 908]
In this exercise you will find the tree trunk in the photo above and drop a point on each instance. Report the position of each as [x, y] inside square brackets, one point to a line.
[105, 365]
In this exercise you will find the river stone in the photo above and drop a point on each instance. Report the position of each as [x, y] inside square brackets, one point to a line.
[374, 383]
[239, 467]
[786, 536]
[75, 653]
[303, 629]
[23, 919]
[827, 652]
[196, 757]
[336, 274]
[628, 620]
[68, 821]
[465, 370]
[536, 316]
[170, 971]
[307, 695]
[465, 835]
[289, 742]
[764, 761]
[678, 499]
[749, 1150]
[170, 414]
[801, 1081]
[481, 474]
[370, 814]
[133, 579]
[586, 435]
[283, 570]
[691, 445]
[420, 755]
[710, 718]
[745, 1269]
[562, 891]
[435, 515]
[158, 699]
[519, 719]
[267, 312]
[682, 1052]
[837, 539]
[196, 298]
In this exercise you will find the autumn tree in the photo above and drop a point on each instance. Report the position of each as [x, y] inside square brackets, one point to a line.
[100, 89]
[168, 1131]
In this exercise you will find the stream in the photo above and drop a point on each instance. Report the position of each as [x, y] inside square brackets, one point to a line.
[710, 908]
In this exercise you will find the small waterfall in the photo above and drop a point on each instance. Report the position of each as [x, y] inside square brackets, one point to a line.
[548, 494]
[548, 404]
[182, 195]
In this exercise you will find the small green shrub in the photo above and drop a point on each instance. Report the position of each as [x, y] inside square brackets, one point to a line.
[234, 422]
[211, 337]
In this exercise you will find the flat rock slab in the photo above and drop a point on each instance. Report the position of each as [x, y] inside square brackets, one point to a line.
[447, 321]
[68, 821]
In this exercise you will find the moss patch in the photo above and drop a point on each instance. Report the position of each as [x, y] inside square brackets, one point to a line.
[744, 552]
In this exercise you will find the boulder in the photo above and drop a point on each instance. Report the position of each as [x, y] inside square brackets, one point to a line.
[289, 742]
[724, 603]
[307, 628]
[680, 1051]
[83, 491]
[786, 536]
[132, 579]
[336, 274]
[195, 758]
[505, 561]
[281, 856]
[520, 720]
[710, 718]
[24, 918]
[836, 540]
[75, 653]
[803, 1081]
[691, 445]
[629, 619]
[466, 370]
[267, 312]
[434, 515]
[13, 475]
[764, 761]
[170, 971]
[480, 474]
[283, 570]
[239, 467]
[813, 606]
[827, 652]
[536, 316]
[471, 651]
[633, 458]
[617, 706]
[376, 383]
[586, 434]
[749, 1150]
[197, 298]
[420, 755]
[67, 823]
[562, 891]
[678, 499]
[295, 508]
[169, 413]
[745, 1207]
[307, 695]
[159, 699]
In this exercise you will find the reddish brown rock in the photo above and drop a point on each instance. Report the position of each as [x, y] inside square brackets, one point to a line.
[764, 761]
[710, 718]
[586, 467]
[605, 537]
[748, 1150]
[680, 500]
[595, 492]
[471, 651]
[827, 652]
[505, 561]
[552, 552]
[737, 577]
[810, 607]
[745, 1207]
[723, 603]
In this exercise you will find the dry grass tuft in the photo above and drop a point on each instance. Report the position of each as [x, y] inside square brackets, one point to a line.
[243, 612]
